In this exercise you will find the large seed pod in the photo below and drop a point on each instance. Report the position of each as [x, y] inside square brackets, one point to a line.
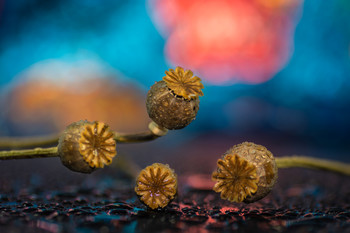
[247, 172]
[85, 146]
[173, 103]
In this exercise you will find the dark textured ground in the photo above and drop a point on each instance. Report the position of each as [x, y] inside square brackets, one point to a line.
[322, 205]
[43, 196]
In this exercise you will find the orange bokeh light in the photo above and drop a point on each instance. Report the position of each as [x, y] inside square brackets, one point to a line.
[49, 96]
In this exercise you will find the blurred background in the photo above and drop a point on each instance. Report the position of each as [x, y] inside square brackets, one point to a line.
[276, 72]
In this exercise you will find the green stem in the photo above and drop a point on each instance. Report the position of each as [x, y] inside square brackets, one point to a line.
[309, 162]
[27, 142]
[123, 164]
[29, 154]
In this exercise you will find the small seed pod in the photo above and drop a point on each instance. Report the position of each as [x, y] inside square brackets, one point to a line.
[85, 146]
[156, 185]
[173, 103]
[247, 172]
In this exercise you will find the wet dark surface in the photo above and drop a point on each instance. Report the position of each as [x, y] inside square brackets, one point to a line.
[41, 195]
[310, 201]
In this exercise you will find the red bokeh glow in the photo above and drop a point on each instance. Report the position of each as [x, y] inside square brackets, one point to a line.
[227, 40]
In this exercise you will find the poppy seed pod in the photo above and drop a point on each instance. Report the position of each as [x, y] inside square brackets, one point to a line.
[173, 103]
[156, 185]
[85, 146]
[247, 172]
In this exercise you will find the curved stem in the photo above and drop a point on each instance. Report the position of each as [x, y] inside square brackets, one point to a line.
[27, 142]
[29, 154]
[132, 138]
[309, 162]
[154, 132]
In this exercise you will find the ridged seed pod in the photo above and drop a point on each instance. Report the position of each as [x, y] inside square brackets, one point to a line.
[85, 146]
[173, 103]
[247, 172]
[156, 185]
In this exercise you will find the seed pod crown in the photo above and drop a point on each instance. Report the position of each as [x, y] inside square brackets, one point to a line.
[156, 185]
[85, 146]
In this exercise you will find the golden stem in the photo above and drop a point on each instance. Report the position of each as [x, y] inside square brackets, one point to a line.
[154, 132]
[27, 142]
[132, 138]
[309, 162]
[29, 154]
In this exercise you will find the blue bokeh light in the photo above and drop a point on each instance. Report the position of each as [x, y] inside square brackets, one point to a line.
[310, 96]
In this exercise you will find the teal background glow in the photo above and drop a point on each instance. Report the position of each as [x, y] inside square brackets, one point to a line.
[308, 98]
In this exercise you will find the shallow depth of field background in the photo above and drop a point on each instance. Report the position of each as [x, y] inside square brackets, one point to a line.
[275, 72]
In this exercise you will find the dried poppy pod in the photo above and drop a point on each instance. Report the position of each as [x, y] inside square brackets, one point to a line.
[173, 103]
[85, 146]
[156, 185]
[247, 172]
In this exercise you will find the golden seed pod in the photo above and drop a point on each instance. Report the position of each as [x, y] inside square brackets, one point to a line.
[173, 103]
[85, 146]
[156, 185]
[247, 172]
